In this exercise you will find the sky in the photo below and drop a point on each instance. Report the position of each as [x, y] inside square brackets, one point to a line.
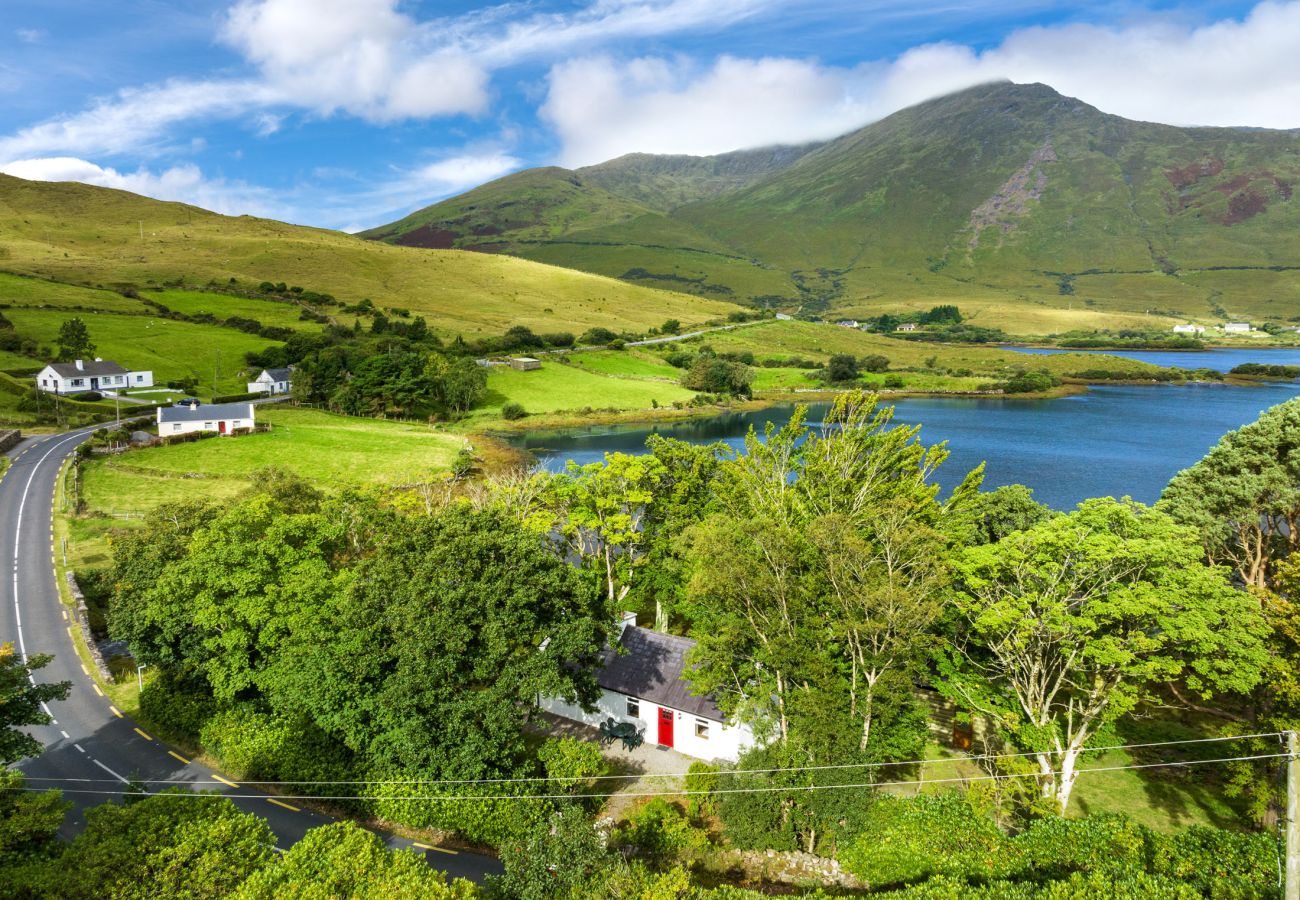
[350, 113]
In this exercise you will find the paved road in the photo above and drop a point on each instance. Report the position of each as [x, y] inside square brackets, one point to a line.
[90, 738]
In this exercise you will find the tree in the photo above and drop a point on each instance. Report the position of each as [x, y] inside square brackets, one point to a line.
[560, 858]
[164, 846]
[715, 375]
[874, 363]
[1066, 627]
[818, 578]
[74, 340]
[1243, 498]
[461, 382]
[600, 509]
[345, 860]
[995, 514]
[841, 367]
[431, 657]
[20, 702]
[670, 326]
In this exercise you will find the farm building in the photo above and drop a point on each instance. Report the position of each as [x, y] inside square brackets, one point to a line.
[1189, 329]
[222, 418]
[1237, 328]
[646, 685]
[272, 381]
[525, 363]
[90, 375]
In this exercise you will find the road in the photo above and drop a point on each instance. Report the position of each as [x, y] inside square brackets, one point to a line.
[89, 737]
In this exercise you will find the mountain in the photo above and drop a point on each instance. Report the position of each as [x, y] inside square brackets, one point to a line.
[98, 237]
[1002, 197]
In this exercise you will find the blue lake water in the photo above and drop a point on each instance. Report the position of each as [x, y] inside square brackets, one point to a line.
[1112, 441]
[1220, 360]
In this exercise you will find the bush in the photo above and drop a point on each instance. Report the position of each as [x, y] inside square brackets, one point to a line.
[1106, 842]
[512, 411]
[714, 375]
[597, 336]
[701, 781]
[176, 708]
[87, 396]
[1218, 863]
[236, 398]
[842, 367]
[660, 832]
[577, 762]
[680, 359]
[894, 381]
[874, 363]
[617, 344]
[907, 841]
[1030, 382]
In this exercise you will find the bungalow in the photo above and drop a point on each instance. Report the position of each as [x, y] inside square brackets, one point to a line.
[1189, 329]
[907, 326]
[784, 317]
[847, 323]
[1237, 328]
[645, 685]
[90, 375]
[272, 381]
[222, 418]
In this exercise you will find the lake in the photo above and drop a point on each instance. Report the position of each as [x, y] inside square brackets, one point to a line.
[1220, 360]
[1115, 440]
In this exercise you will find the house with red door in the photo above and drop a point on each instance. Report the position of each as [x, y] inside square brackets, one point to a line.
[643, 681]
[219, 418]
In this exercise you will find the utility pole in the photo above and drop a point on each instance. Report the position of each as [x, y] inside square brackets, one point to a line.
[1292, 816]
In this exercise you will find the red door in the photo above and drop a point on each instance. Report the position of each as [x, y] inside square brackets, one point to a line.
[221, 427]
[665, 727]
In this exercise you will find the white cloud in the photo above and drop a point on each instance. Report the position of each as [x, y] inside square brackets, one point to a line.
[184, 183]
[1226, 73]
[30, 35]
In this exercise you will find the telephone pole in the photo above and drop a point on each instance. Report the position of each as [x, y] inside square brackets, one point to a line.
[1292, 816]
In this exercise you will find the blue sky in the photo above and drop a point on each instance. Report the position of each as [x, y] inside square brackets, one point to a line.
[349, 113]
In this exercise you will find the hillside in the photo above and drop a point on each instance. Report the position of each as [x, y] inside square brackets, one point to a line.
[1036, 212]
[97, 237]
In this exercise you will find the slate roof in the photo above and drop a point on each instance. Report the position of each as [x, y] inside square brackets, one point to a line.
[278, 374]
[92, 367]
[652, 668]
[207, 412]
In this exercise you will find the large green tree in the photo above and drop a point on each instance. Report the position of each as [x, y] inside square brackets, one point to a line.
[21, 701]
[1243, 498]
[74, 341]
[1067, 626]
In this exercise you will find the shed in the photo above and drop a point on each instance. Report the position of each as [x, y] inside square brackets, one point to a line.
[525, 363]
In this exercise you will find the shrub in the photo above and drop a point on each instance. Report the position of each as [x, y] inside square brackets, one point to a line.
[894, 381]
[907, 841]
[660, 832]
[577, 762]
[87, 396]
[235, 398]
[1216, 862]
[1105, 842]
[597, 336]
[176, 708]
[874, 363]
[701, 781]
[680, 359]
[617, 344]
[842, 367]
[1030, 382]
[513, 411]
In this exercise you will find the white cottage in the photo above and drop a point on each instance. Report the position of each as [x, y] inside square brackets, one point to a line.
[90, 375]
[272, 381]
[645, 685]
[222, 418]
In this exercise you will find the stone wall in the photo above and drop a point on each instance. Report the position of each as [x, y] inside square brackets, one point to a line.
[784, 867]
[9, 439]
[82, 615]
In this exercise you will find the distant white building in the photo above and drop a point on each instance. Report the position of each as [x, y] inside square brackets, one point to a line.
[645, 685]
[1237, 328]
[90, 375]
[784, 317]
[222, 418]
[272, 381]
[907, 326]
[847, 323]
[1189, 329]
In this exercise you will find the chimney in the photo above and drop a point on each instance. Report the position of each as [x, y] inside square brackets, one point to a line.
[79, 366]
[624, 621]
[193, 404]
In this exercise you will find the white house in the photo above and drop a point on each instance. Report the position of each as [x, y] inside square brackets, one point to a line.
[1237, 328]
[272, 381]
[90, 375]
[784, 317]
[1189, 329]
[907, 326]
[645, 685]
[223, 418]
[847, 323]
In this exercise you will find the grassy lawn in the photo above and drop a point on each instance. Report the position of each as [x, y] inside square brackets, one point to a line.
[223, 306]
[329, 450]
[173, 350]
[19, 291]
[557, 387]
[626, 363]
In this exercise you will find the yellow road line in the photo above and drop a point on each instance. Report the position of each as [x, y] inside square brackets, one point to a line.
[143, 735]
[174, 755]
[224, 781]
[84, 669]
[285, 805]
[117, 712]
[438, 849]
[97, 690]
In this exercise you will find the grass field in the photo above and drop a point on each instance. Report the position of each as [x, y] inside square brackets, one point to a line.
[171, 349]
[557, 387]
[331, 451]
[268, 312]
[89, 235]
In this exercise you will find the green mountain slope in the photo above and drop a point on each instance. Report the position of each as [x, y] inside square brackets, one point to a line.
[1035, 211]
[82, 235]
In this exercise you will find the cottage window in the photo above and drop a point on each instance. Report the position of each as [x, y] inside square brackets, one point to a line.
[702, 729]
[139, 378]
[176, 427]
[634, 707]
[207, 424]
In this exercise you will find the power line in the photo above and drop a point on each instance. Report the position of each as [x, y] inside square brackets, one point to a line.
[791, 789]
[729, 772]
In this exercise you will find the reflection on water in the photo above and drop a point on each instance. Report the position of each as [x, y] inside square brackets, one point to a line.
[1113, 440]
